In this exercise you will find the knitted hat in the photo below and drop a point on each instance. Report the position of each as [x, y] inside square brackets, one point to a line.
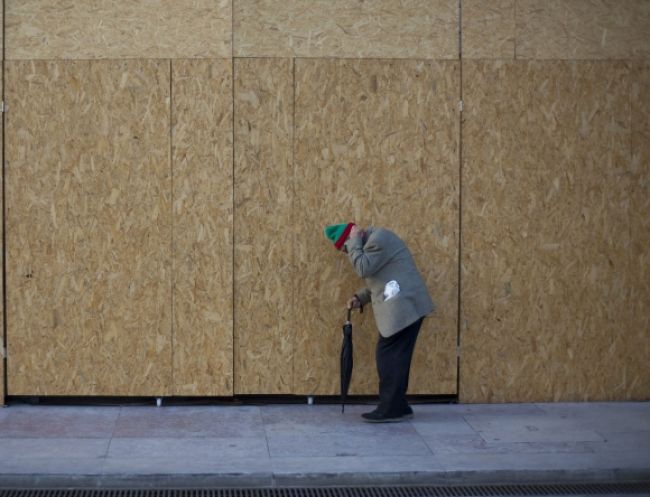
[338, 233]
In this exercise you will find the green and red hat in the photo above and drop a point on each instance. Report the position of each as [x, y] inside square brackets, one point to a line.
[338, 233]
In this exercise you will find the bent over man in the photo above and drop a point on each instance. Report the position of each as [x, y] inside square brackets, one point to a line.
[400, 302]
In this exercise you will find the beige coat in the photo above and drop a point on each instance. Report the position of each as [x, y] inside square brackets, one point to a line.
[382, 257]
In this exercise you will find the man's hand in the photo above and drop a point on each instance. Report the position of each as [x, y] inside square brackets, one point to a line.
[355, 231]
[354, 303]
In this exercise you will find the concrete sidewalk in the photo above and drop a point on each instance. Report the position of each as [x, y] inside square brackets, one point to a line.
[290, 445]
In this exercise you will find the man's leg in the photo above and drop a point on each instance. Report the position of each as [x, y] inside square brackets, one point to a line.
[393, 357]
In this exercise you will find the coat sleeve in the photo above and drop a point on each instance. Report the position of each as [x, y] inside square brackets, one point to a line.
[366, 259]
[364, 296]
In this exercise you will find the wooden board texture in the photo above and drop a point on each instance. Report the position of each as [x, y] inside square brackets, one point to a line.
[425, 29]
[640, 224]
[488, 29]
[88, 228]
[264, 191]
[99, 29]
[202, 227]
[377, 143]
[546, 233]
[582, 29]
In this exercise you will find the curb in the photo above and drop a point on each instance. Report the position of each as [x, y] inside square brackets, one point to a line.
[272, 480]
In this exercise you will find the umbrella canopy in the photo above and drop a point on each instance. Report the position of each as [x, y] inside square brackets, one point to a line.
[346, 360]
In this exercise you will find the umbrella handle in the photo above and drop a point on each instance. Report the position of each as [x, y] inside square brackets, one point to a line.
[350, 312]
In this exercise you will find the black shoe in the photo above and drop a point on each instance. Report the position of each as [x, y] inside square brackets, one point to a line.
[408, 413]
[377, 417]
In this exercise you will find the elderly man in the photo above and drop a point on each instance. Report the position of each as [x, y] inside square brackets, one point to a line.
[400, 302]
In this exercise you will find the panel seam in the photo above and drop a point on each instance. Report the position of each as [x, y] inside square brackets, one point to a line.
[233, 170]
[460, 197]
[293, 224]
[173, 248]
[4, 386]
[514, 34]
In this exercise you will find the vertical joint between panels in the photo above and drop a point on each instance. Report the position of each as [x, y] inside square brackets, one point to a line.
[232, 329]
[514, 36]
[173, 248]
[4, 386]
[293, 223]
[460, 29]
[232, 265]
[460, 197]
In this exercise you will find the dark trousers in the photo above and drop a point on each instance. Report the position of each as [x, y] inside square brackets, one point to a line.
[393, 357]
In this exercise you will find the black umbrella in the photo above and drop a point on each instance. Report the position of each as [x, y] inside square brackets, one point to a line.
[346, 359]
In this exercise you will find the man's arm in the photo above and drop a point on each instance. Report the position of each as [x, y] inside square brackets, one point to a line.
[366, 260]
[363, 296]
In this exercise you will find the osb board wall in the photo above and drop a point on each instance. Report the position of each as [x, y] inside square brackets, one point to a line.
[200, 225]
[346, 28]
[264, 191]
[566, 198]
[376, 142]
[547, 272]
[88, 204]
[91, 29]
[556, 29]
[488, 29]
[640, 219]
[202, 234]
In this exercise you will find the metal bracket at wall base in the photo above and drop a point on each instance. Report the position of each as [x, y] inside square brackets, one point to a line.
[310, 400]
[3, 107]
[158, 401]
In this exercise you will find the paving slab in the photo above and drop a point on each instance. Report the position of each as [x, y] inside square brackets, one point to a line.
[52, 448]
[623, 441]
[40, 466]
[462, 409]
[441, 423]
[530, 428]
[612, 417]
[182, 422]
[200, 449]
[347, 445]
[58, 421]
[293, 445]
[364, 464]
[172, 465]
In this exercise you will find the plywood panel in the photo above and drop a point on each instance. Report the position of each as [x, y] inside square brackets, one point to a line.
[346, 28]
[582, 29]
[545, 231]
[541, 29]
[264, 271]
[488, 29]
[376, 142]
[92, 29]
[202, 226]
[88, 228]
[595, 364]
[639, 347]
[609, 29]
[639, 35]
